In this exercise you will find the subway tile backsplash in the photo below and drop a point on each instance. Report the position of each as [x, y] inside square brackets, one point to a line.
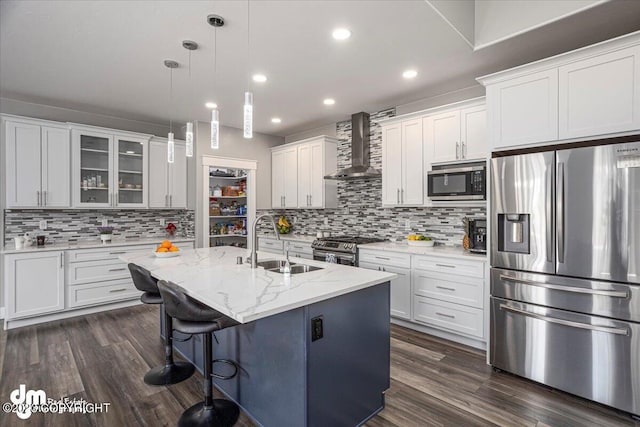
[360, 203]
[71, 225]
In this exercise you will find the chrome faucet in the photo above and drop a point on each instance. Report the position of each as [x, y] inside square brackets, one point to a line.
[286, 268]
[254, 247]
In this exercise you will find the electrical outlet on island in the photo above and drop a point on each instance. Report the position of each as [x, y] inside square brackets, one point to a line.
[163, 222]
[105, 222]
[43, 224]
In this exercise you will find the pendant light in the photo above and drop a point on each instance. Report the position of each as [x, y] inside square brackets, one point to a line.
[215, 21]
[170, 143]
[190, 46]
[248, 96]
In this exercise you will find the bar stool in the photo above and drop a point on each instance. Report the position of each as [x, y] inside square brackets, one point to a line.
[172, 372]
[193, 317]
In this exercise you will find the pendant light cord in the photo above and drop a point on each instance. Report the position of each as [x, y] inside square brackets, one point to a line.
[248, 47]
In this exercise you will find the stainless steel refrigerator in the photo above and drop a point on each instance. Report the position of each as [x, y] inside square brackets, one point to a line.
[565, 270]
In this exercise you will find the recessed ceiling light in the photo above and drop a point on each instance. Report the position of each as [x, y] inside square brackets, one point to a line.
[329, 101]
[341, 34]
[276, 120]
[409, 74]
[259, 78]
[211, 105]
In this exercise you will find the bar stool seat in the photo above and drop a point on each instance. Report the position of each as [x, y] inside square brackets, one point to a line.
[193, 317]
[172, 372]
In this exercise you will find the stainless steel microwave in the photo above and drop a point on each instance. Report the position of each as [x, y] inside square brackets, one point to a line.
[458, 183]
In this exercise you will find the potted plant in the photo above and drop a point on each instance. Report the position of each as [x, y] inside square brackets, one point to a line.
[105, 234]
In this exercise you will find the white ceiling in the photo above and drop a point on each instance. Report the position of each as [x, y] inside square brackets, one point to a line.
[107, 56]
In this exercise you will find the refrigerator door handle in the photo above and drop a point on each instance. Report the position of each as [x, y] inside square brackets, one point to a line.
[613, 294]
[560, 221]
[548, 215]
[607, 329]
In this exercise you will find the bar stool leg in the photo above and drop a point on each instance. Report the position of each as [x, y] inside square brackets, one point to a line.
[172, 372]
[210, 412]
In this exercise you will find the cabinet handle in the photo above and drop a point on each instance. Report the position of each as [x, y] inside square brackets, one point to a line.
[109, 196]
[445, 265]
[61, 259]
[170, 200]
[402, 196]
[398, 196]
[445, 288]
[446, 315]
[457, 150]
[284, 201]
[463, 152]
[379, 268]
[45, 198]
[117, 269]
[38, 197]
[384, 258]
[117, 290]
[117, 253]
[310, 199]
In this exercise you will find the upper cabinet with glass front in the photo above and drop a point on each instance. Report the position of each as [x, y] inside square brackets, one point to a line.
[109, 168]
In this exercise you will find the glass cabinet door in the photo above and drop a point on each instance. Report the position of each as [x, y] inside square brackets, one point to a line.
[95, 166]
[130, 170]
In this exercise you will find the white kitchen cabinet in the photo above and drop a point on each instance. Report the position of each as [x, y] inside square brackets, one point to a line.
[110, 168]
[299, 249]
[524, 109]
[400, 302]
[38, 165]
[448, 294]
[316, 158]
[600, 95]
[273, 246]
[444, 135]
[457, 134]
[391, 164]
[284, 178]
[297, 174]
[167, 181]
[34, 283]
[473, 133]
[402, 163]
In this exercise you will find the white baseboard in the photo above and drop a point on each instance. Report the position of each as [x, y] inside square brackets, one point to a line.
[1, 312]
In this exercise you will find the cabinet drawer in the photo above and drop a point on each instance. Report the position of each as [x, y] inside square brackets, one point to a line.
[270, 245]
[446, 287]
[101, 293]
[385, 258]
[452, 317]
[300, 248]
[449, 266]
[101, 254]
[96, 271]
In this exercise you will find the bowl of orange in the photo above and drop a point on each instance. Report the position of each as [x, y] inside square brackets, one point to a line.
[167, 250]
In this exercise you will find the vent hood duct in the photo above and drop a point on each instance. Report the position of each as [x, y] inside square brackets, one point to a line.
[359, 151]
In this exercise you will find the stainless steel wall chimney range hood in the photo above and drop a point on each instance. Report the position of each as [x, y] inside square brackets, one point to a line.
[359, 151]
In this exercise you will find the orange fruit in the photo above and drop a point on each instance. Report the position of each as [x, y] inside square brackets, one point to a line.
[174, 249]
[165, 244]
[161, 249]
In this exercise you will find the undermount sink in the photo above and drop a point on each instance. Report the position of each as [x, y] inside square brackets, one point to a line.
[273, 264]
[277, 266]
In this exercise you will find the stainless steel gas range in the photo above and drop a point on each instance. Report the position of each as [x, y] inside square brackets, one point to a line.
[340, 249]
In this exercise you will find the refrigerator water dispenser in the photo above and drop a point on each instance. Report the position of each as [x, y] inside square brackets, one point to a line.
[513, 233]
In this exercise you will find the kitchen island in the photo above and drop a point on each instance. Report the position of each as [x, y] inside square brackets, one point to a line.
[313, 348]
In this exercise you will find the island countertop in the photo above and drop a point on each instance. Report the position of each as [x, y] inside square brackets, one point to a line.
[212, 276]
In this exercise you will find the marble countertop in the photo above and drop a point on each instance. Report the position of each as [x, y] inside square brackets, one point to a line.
[211, 276]
[91, 244]
[443, 251]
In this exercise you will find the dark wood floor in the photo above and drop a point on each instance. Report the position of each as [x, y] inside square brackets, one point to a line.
[103, 357]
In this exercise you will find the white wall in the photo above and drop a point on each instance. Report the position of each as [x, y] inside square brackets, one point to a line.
[233, 145]
[49, 112]
[496, 20]
[329, 130]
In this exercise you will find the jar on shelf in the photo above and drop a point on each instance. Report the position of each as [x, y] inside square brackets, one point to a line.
[217, 191]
